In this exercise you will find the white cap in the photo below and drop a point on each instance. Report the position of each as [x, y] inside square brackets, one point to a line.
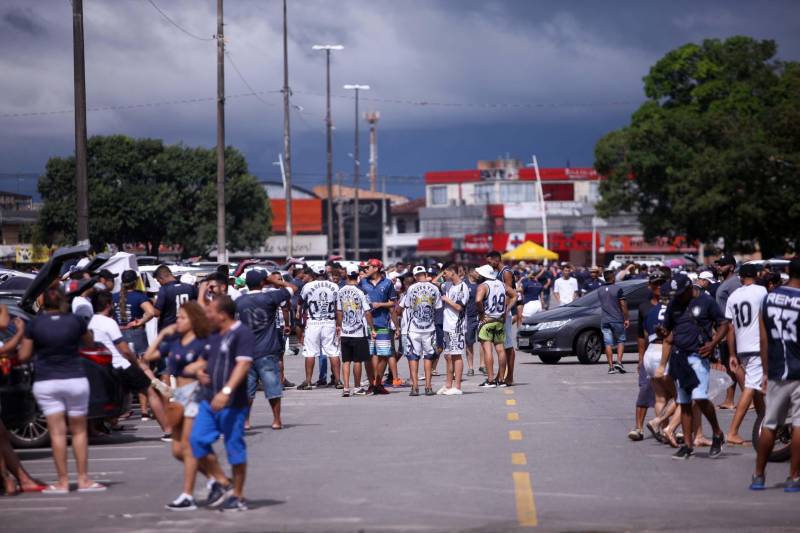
[392, 276]
[486, 271]
[187, 278]
[320, 269]
[351, 269]
[419, 269]
[706, 275]
[692, 276]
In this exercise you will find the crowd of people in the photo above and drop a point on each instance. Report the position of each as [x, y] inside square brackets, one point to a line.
[219, 338]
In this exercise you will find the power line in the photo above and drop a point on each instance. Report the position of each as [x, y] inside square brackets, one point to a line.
[241, 77]
[184, 30]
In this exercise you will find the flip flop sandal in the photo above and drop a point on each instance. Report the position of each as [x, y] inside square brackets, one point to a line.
[94, 487]
[656, 434]
[35, 488]
[52, 489]
[277, 428]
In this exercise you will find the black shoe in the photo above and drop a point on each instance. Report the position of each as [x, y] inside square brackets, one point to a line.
[612, 370]
[288, 384]
[716, 446]
[488, 384]
[684, 452]
[182, 503]
[429, 392]
[379, 390]
[339, 385]
[166, 437]
[620, 368]
[304, 386]
[217, 494]
[482, 370]
[321, 383]
[470, 372]
[414, 392]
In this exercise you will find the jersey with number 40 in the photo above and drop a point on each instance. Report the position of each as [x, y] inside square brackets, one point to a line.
[781, 314]
[742, 310]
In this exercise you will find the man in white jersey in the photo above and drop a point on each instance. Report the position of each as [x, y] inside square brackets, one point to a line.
[493, 301]
[744, 345]
[318, 298]
[456, 295]
[419, 305]
[565, 288]
[354, 327]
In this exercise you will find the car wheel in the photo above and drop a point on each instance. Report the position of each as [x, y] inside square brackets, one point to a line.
[589, 347]
[549, 359]
[32, 433]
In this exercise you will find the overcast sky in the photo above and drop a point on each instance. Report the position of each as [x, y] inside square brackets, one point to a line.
[563, 74]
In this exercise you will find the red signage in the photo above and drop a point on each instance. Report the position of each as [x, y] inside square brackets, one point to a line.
[637, 243]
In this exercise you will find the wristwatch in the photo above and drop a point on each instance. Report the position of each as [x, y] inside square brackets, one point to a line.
[226, 390]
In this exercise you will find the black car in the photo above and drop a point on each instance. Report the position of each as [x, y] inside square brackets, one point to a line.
[574, 329]
[18, 408]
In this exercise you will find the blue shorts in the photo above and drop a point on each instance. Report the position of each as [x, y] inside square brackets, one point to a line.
[647, 396]
[702, 369]
[381, 345]
[472, 331]
[208, 426]
[267, 370]
[613, 333]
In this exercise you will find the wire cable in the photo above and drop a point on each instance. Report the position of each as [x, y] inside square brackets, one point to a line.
[184, 30]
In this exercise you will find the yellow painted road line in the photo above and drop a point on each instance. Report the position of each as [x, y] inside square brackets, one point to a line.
[518, 458]
[512, 417]
[509, 392]
[526, 507]
[514, 435]
[511, 402]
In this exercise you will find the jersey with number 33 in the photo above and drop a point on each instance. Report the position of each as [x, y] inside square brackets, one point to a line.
[781, 314]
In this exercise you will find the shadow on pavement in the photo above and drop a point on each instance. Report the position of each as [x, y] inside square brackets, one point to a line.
[257, 504]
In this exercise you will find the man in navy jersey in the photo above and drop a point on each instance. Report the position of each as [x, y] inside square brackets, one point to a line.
[171, 296]
[780, 359]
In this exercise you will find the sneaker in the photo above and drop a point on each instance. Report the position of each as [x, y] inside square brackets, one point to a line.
[453, 392]
[146, 417]
[379, 390]
[345, 393]
[184, 502]
[399, 383]
[500, 383]
[470, 372]
[488, 384]
[234, 504]
[321, 382]
[758, 482]
[217, 494]
[619, 367]
[792, 485]
[716, 446]
[414, 392]
[304, 386]
[429, 391]
[612, 370]
[684, 452]
[339, 385]
[442, 390]
[166, 437]
[288, 384]
[636, 435]
[361, 391]
[482, 370]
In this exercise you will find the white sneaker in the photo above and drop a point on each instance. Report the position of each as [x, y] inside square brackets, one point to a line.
[453, 392]
[442, 390]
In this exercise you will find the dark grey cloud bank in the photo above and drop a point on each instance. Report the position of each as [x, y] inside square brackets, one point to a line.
[584, 60]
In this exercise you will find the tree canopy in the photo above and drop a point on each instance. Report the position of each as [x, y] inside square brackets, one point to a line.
[714, 152]
[143, 191]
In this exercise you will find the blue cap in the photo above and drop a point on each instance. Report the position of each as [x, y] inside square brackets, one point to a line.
[255, 277]
[679, 284]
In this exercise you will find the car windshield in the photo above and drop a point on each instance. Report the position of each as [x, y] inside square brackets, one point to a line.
[593, 299]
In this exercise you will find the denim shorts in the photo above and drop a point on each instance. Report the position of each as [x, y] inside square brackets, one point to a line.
[186, 396]
[702, 369]
[613, 333]
[208, 426]
[267, 370]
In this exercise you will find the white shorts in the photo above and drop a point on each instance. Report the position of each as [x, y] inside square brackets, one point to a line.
[753, 371]
[59, 395]
[454, 343]
[420, 344]
[652, 358]
[320, 340]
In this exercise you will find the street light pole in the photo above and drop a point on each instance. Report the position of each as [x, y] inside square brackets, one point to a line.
[542, 207]
[357, 174]
[287, 146]
[79, 75]
[222, 250]
[329, 136]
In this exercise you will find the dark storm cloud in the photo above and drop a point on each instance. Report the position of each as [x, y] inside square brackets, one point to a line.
[22, 20]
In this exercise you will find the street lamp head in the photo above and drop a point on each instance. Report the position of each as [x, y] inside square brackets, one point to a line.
[357, 87]
[327, 47]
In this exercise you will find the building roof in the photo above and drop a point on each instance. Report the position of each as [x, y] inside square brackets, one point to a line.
[363, 194]
[409, 208]
[16, 195]
[270, 185]
[524, 174]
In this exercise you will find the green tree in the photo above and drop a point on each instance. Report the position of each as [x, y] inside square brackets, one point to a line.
[142, 191]
[715, 149]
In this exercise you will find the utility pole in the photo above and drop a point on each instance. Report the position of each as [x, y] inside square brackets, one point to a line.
[222, 249]
[356, 176]
[340, 217]
[79, 75]
[384, 251]
[329, 136]
[287, 144]
[372, 117]
[542, 205]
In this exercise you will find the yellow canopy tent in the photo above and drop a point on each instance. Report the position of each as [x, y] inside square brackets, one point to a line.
[529, 251]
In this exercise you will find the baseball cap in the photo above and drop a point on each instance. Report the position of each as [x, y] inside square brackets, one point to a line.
[485, 271]
[255, 277]
[189, 279]
[352, 270]
[432, 270]
[679, 284]
[319, 269]
[419, 269]
[657, 277]
[375, 262]
[107, 274]
[707, 275]
[748, 270]
[726, 259]
[129, 276]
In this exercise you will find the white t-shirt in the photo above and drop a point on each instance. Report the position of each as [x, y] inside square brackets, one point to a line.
[566, 289]
[420, 302]
[742, 310]
[319, 299]
[353, 304]
[106, 331]
[454, 320]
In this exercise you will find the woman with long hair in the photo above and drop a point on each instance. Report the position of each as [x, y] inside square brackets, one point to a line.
[60, 385]
[180, 345]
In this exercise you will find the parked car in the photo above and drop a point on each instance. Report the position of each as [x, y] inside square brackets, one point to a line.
[18, 408]
[574, 329]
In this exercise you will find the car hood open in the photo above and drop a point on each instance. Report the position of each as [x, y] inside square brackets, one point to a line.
[49, 272]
